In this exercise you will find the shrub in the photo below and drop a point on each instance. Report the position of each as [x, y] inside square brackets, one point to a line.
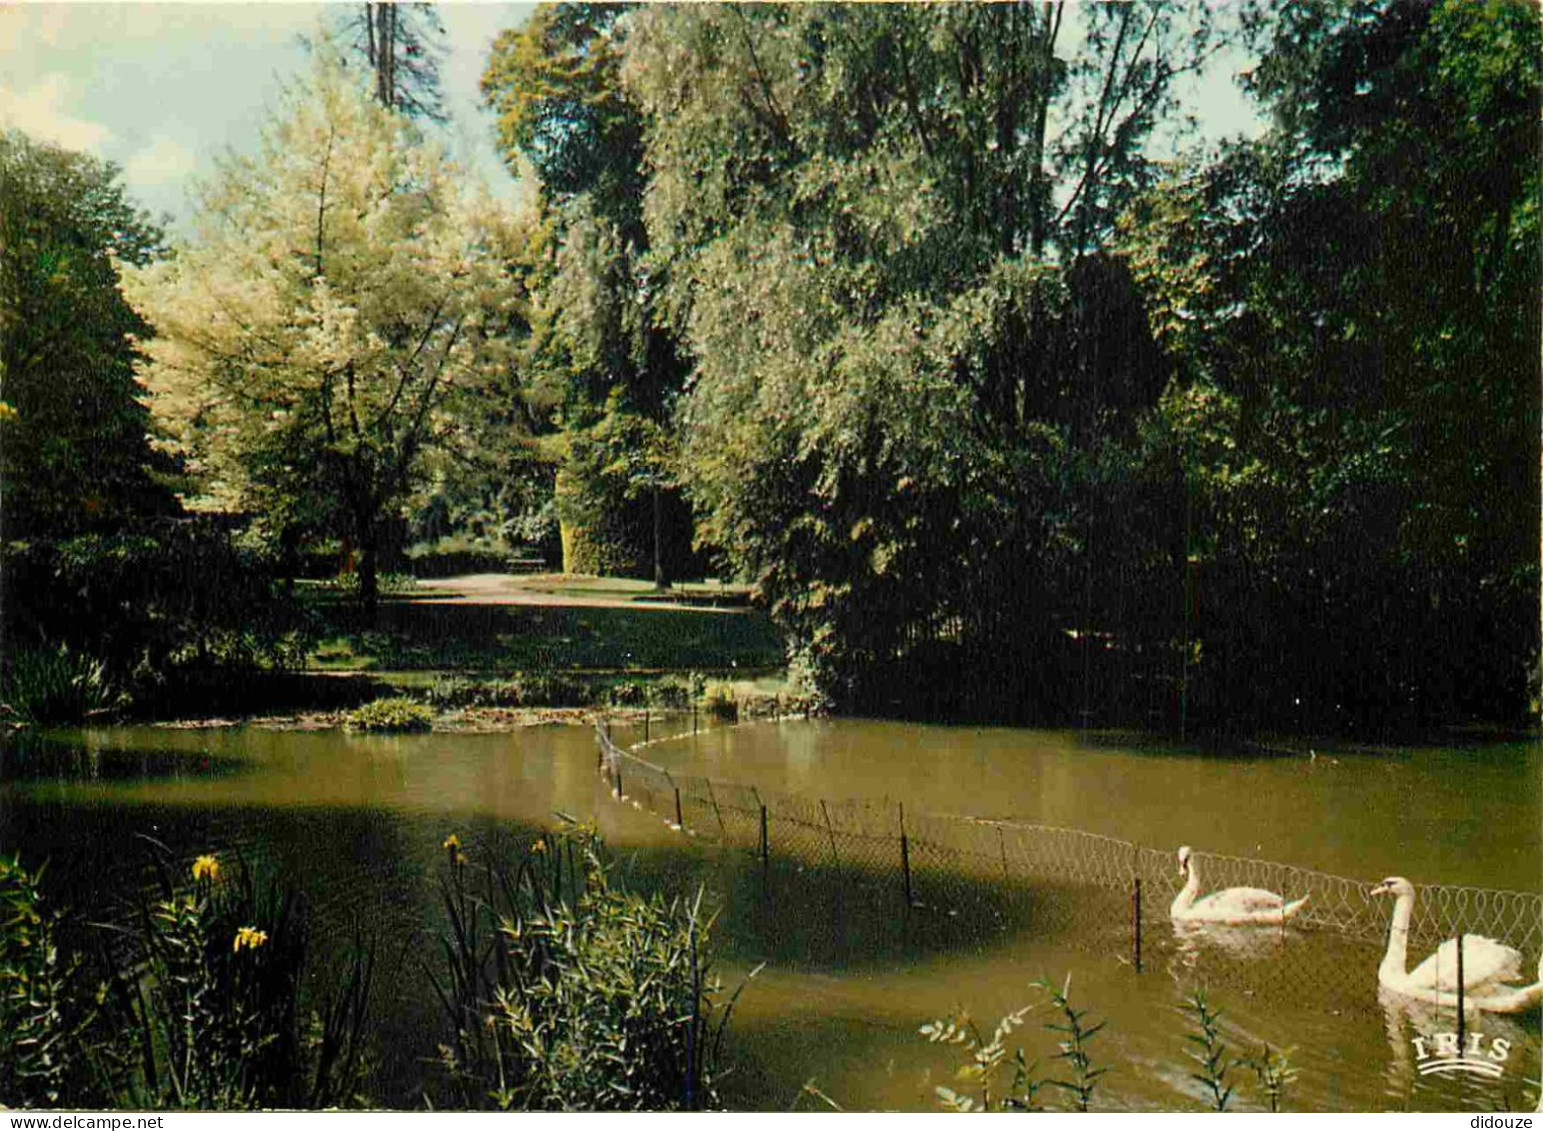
[577, 996]
[51, 686]
[521, 689]
[719, 701]
[669, 695]
[628, 693]
[176, 597]
[395, 715]
[349, 583]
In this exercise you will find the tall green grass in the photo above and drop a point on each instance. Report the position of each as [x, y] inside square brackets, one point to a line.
[564, 993]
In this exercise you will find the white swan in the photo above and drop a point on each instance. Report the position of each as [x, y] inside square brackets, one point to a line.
[1234, 906]
[1489, 967]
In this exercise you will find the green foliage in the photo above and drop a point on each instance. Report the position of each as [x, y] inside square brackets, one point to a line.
[1210, 1053]
[74, 450]
[599, 360]
[1272, 1068]
[719, 700]
[987, 1060]
[207, 993]
[39, 986]
[573, 995]
[395, 715]
[365, 288]
[56, 686]
[1353, 442]
[555, 87]
[1084, 1074]
[167, 609]
[520, 689]
[888, 359]
[387, 584]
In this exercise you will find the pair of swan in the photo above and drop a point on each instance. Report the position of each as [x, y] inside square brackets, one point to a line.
[1490, 969]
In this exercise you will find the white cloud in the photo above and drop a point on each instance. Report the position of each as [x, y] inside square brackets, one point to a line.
[39, 111]
[164, 161]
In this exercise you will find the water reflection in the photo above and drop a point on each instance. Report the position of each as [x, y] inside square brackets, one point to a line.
[1195, 942]
[1485, 1065]
[359, 820]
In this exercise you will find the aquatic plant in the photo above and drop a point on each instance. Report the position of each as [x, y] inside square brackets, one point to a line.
[51, 686]
[987, 1059]
[1074, 1046]
[564, 992]
[205, 992]
[1211, 1052]
[1274, 1072]
[395, 715]
[37, 981]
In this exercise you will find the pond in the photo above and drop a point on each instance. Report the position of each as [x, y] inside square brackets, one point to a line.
[358, 822]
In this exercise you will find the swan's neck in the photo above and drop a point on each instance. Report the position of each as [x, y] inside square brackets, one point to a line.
[1186, 897]
[1395, 963]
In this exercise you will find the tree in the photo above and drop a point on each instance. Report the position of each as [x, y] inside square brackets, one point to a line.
[1353, 304]
[879, 230]
[612, 371]
[75, 454]
[403, 45]
[344, 299]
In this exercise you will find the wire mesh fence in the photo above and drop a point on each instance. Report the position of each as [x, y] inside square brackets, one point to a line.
[1073, 888]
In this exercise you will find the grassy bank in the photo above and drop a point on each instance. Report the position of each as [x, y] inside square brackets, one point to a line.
[548, 623]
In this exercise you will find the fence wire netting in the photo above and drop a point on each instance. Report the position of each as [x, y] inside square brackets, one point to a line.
[1071, 888]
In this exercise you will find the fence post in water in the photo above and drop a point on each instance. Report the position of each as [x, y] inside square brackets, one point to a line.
[765, 856]
[1135, 907]
[1135, 917]
[905, 857]
[645, 724]
[835, 857]
[693, 718]
[712, 797]
[680, 822]
[618, 783]
[1462, 1036]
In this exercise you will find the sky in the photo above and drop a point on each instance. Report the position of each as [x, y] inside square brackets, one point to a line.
[163, 89]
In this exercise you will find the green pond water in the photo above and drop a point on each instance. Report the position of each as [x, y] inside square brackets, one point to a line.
[850, 976]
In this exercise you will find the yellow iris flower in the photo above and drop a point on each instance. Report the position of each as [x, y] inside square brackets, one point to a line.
[249, 937]
[206, 868]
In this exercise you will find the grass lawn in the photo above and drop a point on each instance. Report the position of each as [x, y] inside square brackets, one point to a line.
[409, 636]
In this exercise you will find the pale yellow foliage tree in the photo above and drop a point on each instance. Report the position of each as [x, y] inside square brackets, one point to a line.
[345, 291]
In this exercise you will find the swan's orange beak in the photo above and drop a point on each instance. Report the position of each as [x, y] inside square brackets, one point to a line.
[1381, 889]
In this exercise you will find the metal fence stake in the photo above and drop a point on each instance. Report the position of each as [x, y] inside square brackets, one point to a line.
[765, 852]
[618, 785]
[905, 858]
[680, 822]
[834, 855]
[1135, 903]
[645, 724]
[1462, 1037]
[711, 797]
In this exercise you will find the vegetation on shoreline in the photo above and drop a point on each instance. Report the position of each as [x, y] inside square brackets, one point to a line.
[561, 991]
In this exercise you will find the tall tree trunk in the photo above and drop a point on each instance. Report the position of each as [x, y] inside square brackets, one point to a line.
[661, 579]
[369, 568]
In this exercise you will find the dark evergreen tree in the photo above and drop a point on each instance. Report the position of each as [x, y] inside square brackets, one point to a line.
[75, 454]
